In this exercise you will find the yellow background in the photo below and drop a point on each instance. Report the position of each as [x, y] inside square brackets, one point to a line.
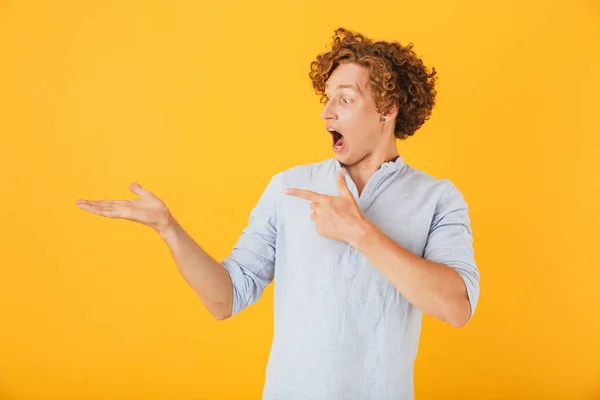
[201, 102]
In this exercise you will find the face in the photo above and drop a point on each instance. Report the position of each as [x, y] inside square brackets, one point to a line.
[351, 112]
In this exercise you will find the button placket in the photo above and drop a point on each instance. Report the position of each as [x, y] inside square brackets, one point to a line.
[364, 201]
[351, 266]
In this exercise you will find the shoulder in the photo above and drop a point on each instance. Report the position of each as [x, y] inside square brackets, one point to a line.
[303, 173]
[439, 190]
[300, 176]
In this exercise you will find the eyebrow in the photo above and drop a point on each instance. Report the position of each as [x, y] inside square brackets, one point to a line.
[347, 86]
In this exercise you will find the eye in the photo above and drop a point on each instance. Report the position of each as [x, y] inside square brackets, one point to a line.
[345, 101]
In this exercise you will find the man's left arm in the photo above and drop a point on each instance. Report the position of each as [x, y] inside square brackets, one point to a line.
[444, 283]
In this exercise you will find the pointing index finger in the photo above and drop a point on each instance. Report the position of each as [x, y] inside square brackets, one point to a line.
[305, 194]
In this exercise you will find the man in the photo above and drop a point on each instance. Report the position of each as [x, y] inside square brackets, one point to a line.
[360, 245]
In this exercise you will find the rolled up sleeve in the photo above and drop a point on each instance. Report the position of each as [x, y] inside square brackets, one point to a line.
[450, 240]
[251, 263]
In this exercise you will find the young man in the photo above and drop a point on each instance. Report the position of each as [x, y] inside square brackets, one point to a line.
[360, 244]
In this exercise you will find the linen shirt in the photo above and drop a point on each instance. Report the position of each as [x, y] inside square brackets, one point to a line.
[341, 329]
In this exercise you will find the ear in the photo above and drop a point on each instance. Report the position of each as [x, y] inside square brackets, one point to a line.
[391, 112]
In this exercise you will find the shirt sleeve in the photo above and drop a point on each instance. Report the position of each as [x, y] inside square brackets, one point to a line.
[251, 263]
[450, 240]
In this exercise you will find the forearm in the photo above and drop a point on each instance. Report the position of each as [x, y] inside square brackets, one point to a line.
[435, 289]
[209, 279]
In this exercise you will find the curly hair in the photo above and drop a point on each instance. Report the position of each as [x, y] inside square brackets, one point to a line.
[396, 74]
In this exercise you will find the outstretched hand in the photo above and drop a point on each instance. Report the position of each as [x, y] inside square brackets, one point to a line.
[147, 210]
[336, 217]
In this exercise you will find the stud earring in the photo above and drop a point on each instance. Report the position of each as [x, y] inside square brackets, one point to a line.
[382, 119]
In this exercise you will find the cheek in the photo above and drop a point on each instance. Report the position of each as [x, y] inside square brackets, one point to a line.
[360, 125]
[363, 126]
[366, 118]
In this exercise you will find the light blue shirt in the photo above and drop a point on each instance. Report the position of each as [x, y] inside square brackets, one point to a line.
[342, 330]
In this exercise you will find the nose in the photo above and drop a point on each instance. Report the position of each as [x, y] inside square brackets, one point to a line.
[328, 111]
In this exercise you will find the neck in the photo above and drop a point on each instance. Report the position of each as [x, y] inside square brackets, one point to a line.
[362, 171]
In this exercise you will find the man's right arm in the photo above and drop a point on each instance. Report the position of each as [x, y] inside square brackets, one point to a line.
[207, 277]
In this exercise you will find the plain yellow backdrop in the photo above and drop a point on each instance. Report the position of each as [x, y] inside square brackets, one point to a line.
[201, 102]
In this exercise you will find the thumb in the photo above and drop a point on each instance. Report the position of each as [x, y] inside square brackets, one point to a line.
[341, 184]
[137, 189]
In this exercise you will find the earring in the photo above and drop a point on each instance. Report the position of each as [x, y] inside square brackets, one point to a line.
[382, 119]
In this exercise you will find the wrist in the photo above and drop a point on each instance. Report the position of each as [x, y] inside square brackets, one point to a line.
[365, 229]
[167, 228]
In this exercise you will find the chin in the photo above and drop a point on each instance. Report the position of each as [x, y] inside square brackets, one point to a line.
[344, 159]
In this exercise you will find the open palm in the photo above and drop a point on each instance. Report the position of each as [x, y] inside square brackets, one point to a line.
[148, 209]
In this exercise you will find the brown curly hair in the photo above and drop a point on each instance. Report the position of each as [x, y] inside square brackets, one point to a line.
[396, 74]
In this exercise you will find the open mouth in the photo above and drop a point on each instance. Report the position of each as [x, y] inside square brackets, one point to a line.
[338, 139]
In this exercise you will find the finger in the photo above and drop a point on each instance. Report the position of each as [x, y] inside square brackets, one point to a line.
[93, 207]
[106, 208]
[314, 205]
[103, 202]
[138, 189]
[341, 183]
[306, 194]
